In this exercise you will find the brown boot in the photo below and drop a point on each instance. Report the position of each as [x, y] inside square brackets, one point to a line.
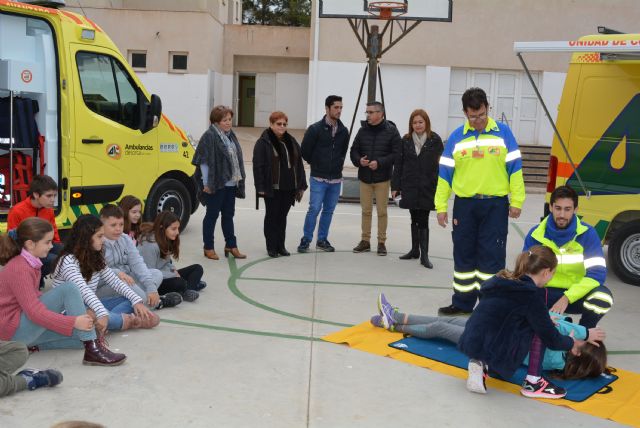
[211, 254]
[128, 322]
[234, 252]
[97, 354]
[132, 321]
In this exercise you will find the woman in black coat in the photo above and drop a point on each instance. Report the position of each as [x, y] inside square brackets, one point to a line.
[279, 178]
[415, 177]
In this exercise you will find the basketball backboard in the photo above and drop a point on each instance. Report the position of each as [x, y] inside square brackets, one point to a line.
[417, 10]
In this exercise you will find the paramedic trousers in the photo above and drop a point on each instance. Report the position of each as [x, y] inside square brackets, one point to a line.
[479, 245]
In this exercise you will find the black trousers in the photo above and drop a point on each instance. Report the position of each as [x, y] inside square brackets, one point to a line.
[275, 218]
[420, 218]
[189, 277]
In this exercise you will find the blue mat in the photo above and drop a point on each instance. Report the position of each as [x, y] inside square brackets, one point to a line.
[447, 353]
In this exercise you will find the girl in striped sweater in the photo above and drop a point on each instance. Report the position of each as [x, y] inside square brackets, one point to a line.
[82, 262]
[34, 318]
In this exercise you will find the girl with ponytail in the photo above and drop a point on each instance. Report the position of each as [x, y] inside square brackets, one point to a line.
[37, 319]
[510, 321]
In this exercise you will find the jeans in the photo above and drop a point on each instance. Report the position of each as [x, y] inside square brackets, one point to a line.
[324, 196]
[223, 201]
[116, 307]
[65, 297]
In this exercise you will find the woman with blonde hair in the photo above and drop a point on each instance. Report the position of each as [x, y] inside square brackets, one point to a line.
[415, 177]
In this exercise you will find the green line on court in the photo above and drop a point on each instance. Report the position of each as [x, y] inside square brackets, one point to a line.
[296, 337]
[517, 228]
[359, 284]
[242, 331]
[233, 287]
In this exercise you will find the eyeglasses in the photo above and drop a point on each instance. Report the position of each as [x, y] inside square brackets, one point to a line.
[473, 118]
[372, 111]
[281, 124]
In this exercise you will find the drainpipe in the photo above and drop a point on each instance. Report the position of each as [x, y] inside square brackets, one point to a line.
[312, 92]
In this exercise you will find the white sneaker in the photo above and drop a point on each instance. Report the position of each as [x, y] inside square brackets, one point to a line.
[476, 377]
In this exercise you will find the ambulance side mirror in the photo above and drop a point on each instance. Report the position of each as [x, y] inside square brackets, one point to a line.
[151, 113]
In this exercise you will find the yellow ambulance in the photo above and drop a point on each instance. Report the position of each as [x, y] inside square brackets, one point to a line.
[596, 148]
[72, 108]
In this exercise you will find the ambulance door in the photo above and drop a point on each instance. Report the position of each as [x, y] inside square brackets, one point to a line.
[116, 157]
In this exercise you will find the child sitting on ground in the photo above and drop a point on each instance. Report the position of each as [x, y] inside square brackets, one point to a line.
[53, 320]
[13, 355]
[82, 263]
[158, 243]
[42, 197]
[132, 210]
[123, 258]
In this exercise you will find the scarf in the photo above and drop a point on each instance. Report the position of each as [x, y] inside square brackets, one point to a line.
[233, 153]
[418, 141]
[33, 261]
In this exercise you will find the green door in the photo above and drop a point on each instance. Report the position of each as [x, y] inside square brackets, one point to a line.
[247, 99]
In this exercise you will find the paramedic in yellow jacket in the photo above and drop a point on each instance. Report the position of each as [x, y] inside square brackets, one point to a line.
[482, 164]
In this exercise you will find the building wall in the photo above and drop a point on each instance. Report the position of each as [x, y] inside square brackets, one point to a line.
[482, 33]
[416, 73]
[159, 27]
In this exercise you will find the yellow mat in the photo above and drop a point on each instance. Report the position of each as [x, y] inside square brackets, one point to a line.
[621, 404]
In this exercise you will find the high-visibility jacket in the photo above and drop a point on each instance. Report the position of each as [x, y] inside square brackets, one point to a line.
[486, 162]
[581, 263]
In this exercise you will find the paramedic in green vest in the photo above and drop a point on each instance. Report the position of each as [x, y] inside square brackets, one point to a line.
[482, 165]
[577, 285]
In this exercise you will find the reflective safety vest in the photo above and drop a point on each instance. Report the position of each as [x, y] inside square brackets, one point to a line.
[485, 162]
[572, 265]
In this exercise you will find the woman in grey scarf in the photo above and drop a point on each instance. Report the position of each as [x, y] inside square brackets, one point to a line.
[219, 157]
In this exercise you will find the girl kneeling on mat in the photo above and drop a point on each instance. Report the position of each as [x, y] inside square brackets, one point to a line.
[158, 243]
[82, 262]
[510, 320]
[34, 318]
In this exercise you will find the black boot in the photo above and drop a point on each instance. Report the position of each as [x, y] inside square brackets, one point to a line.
[414, 253]
[423, 239]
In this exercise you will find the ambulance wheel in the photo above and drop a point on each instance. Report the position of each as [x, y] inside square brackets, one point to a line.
[624, 253]
[169, 194]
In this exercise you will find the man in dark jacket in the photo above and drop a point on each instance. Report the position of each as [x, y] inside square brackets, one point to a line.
[324, 147]
[374, 151]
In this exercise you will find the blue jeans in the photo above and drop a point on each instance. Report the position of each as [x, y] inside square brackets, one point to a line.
[65, 297]
[324, 196]
[116, 307]
[223, 201]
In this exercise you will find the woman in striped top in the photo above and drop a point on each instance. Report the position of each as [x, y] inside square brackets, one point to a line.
[36, 319]
[82, 263]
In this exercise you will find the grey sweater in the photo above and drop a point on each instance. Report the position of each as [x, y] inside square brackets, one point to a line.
[122, 255]
[150, 252]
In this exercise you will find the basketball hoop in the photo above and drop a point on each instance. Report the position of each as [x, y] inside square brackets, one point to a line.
[387, 9]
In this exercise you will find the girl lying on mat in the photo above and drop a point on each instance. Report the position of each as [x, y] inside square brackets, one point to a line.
[511, 319]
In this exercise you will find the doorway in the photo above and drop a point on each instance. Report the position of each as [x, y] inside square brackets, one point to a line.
[247, 100]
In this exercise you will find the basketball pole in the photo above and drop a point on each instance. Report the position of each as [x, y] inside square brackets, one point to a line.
[373, 53]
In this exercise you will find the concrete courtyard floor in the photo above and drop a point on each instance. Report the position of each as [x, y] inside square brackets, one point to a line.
[247, 353]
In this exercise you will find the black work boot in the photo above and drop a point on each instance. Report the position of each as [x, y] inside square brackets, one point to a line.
[423, 239]
[414, 253]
